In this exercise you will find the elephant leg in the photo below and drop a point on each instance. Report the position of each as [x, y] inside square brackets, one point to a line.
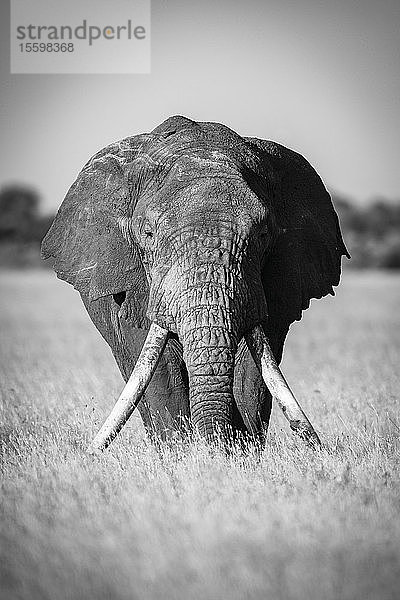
[252, 397]
[165, 406]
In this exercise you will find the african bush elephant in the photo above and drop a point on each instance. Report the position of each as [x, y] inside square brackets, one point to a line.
[194, 249]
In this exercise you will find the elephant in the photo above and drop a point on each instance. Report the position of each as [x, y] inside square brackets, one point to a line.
[194, 249]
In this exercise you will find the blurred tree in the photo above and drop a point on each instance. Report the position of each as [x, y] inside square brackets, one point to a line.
[22, 227]
[19, 208]
[382, 217]
[371, 232]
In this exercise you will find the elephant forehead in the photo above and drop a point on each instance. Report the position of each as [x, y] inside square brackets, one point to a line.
[222, 197]
[202, 161]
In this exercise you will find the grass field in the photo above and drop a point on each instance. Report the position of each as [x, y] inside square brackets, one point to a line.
[189, 523]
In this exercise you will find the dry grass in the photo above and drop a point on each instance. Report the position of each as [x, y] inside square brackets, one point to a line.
[189, 523]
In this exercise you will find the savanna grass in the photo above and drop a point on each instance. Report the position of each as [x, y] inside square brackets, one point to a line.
[186, 521]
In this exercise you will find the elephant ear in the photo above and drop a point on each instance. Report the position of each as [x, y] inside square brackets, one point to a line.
[305, 259]
[91, 238]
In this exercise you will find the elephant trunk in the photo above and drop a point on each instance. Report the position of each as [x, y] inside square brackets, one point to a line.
[209, 343]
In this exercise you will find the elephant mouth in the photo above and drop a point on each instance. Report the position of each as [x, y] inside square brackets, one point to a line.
[147, 362]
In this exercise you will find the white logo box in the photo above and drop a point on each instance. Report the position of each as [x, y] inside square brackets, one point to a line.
[80, 36]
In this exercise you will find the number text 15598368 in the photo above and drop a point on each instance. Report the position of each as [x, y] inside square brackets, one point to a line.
[46, 47]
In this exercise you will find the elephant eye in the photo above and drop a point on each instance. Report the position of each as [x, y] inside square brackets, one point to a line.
[147, 230]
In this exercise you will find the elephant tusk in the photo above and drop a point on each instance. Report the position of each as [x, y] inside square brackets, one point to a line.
[132, 393]
[260, 349]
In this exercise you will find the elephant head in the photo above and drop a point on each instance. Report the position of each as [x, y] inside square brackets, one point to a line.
[206, 237]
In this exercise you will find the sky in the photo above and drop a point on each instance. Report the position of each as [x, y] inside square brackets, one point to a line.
[320, 77]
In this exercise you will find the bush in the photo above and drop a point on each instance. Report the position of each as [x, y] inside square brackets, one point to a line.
[22, 227]
[371, 232]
